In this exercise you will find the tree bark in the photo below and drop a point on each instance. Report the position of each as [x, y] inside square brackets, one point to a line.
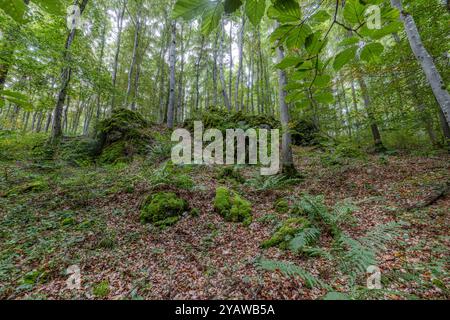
[287, 159]
[222, 73]
[239, 73]
[172, 85]
[373, 124]
[120, 17]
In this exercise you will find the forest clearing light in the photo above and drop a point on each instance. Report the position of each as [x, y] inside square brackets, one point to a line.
[213, 152]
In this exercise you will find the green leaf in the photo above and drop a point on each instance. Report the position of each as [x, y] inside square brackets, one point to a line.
[322, 81]
[354, 12]
[289, 61]
[314, 44]
[348, 41]
[321, 16]
[14, 8]
[387, 30]
[344, 57]
[295, 96]
[324, 97]
[371, 51]
[255, 10]
[190, 9]
[55, 7]
[231, 6]
[297, 37]
[211, 18]
[285, 11]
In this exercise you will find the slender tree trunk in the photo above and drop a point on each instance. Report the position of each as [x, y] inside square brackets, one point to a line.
[222, 73]
[65, 77]
[426, 61]
[373, 124]
[172, 62]
[214, 75]
[230, 84]
[137, 32]
[197, 74]
[120, 17]
[239, 73]
[287, 159]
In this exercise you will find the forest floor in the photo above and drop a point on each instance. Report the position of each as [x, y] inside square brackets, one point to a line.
[54, 215]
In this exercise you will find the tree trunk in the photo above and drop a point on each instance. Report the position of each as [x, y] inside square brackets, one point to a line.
[373, 124]
[137, 32]
[65, 76]
[239, 73]
[426, 61]
[222, 73]
[120, 17]
[197, 74]
[287, 160]
[172, 62]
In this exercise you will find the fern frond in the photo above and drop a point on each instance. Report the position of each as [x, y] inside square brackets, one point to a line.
[291, 270]
[306, 237]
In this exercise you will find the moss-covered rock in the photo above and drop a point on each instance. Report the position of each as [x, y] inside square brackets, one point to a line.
[222, 120]
[232, 207]
[285, 232]
[305, 133]
[123, 135]
[163, 209]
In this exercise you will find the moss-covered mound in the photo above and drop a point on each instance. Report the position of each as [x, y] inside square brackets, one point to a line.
[163, 209]
[232, 207]
[305, 133]
[286, 232]
[222, 120]
[122, 135]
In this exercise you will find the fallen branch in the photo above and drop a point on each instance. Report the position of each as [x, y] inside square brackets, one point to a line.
[438, 193]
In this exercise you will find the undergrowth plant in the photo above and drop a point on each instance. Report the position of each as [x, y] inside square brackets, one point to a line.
[351, 255]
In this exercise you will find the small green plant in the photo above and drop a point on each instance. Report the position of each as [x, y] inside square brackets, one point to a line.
[169, 174]
[230, 172]
[102, 289]
[232, 207]
[281, 206]
[264, 183]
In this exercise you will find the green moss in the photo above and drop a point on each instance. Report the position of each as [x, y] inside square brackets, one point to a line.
[281, 206]
[69, 221]
[102, 289]
[163, 209]
[122, 135]
[114, 153]
[34, 186]
[230, 172]
[232, 207]
[285, 232]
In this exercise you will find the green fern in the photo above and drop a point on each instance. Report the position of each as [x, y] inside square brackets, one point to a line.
[305, 237]
[358, 254]
[263, 183]
[291, 270]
